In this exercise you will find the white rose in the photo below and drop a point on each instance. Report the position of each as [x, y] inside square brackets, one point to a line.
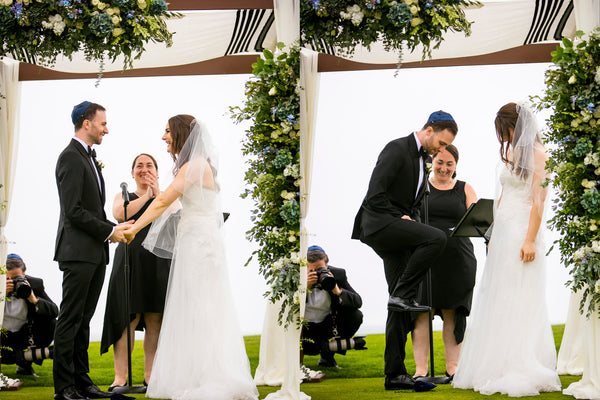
[414, 10]
[357, 18]
[295, 257]
[596, 246]
[579, 253]
[572, 79]
[275, 134]
[292, 238]
[118, 32]
[273, 91]
[116, 20]
[416, 21]
[101, 5]
[59, 27]
[95, 2]
[142, 4]
[6, 2]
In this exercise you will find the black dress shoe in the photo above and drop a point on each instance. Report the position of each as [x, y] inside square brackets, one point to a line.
[26, 369]
[405, 305]
[70, 393]
[399, 382]
[327, 360]
[94, 392]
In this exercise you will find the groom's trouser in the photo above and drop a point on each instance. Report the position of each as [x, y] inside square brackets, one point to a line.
[82, 283]
[408, 250]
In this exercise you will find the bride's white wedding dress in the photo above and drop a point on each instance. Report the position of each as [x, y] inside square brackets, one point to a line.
[201, 352]
[509, 347]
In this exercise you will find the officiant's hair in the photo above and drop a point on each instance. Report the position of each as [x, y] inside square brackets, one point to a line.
[439, 126]
[147, 155]
[88, 114]
[180, 126]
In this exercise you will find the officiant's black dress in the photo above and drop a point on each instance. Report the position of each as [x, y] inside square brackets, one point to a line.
[453, 275]
[149, 276]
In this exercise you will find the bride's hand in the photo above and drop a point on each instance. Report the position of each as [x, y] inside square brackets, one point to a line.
[528, 251]
[129, 234]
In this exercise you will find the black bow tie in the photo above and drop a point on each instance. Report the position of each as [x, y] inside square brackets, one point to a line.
[91, 152]
[423, 153]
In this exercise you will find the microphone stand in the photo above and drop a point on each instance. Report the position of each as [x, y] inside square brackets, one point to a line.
[432, 378]
[129, 388]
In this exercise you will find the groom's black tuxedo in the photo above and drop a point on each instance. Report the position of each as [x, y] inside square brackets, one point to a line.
[82, 253]
[408, 248]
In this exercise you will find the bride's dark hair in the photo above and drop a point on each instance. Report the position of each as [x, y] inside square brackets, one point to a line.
[506, 120]
[180, 131]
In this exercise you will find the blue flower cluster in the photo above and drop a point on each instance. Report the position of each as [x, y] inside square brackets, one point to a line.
[101, 24]
[121, 3]
[372, 3]
[282, 159]
[290, 211]
[590, 200]
[584, 101]
[158, 7]
[428, 3]
[17, 10]
[583, 147]
[399, 14]
[283, 113]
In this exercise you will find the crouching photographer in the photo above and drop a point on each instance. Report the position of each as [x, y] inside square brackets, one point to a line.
[332, 310]
[29, 319]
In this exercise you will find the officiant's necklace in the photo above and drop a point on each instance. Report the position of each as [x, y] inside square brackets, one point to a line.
[440, 185]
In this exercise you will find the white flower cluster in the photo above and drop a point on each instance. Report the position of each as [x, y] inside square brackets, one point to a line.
[581, 252]
[279, 235]
[588, 184]
[294, 258]
[55, 23]
[292, 170]
[353, 13]
[593, 159]
[288, 195]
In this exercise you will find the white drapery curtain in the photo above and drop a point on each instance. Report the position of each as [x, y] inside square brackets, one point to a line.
[279, 358]
[9, 111]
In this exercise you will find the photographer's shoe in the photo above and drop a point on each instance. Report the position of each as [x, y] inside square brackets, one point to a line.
[327, 360]
[26, 369]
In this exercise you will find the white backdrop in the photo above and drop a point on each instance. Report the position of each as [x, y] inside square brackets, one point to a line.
[358, 113]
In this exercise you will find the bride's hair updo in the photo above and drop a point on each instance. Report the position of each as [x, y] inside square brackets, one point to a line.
[180, 131]
[506, 120]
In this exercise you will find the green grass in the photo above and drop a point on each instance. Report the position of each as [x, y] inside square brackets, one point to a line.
[361, 376]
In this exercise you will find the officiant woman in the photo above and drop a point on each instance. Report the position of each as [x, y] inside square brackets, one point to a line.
[148, 276]
[453, 274]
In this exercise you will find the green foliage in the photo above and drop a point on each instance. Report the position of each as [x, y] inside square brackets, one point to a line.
[347, 23]
[272, 145]
[573, 93]
[37, 31]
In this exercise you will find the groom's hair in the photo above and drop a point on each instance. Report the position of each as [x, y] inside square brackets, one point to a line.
[89, 114]
[439, 126]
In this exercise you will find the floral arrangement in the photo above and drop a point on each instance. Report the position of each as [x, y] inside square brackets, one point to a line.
[37, 31]
[272, 144]
[344, 24]
[573, 92]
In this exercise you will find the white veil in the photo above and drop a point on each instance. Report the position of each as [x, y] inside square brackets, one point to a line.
[197, 154]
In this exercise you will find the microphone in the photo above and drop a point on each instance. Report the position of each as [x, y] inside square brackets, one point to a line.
[124, 193]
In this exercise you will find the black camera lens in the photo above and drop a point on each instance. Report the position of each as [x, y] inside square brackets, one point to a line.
[22, 290]
[326, 281]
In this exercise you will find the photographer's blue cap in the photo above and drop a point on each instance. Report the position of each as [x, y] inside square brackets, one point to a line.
[13, 255]
[440, 116]
[78, 111]
[315, 247]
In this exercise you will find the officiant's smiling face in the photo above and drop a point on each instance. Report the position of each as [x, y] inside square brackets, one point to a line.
[444, 165]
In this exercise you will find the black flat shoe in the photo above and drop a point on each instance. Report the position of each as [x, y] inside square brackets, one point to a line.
[111, 388]
[405, 305]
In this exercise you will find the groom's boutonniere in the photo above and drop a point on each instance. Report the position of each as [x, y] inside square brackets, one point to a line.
[99, 164]
[428, 168]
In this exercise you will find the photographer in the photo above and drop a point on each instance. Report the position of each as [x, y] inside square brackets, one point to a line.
[332, 310]
[29, 318]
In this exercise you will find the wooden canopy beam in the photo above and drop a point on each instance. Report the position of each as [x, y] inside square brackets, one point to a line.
[187, 5]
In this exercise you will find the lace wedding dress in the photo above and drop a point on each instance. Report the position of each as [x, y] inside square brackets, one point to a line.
[509, 346]
[201, 352]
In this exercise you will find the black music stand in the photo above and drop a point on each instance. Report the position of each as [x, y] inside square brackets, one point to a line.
[476, 221]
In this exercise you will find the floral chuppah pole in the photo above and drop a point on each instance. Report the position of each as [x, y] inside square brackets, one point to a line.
[573, 92]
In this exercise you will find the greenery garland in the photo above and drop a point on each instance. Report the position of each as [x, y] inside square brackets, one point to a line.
[344, 24]
[273, 177]
[37, 31]
[573, 92]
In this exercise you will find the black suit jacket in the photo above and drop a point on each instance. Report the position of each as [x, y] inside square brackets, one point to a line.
[82, 227]
[349, 299]
[44, 318]
[392, 189]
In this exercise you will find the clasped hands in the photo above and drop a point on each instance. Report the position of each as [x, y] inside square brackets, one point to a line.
[123, 233]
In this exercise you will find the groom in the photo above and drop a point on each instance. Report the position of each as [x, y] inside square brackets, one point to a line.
[389, 222]
[81, 251]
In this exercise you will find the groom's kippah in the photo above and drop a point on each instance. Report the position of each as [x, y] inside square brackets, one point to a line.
[79, 110]
[13, 255]
[440, 116]
[315, 247]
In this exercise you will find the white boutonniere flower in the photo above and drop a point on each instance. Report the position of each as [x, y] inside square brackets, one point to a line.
[428, 168]
[99, 164]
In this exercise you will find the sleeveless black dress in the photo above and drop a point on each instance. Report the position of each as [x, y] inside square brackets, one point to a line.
[453, 274]
[149, 276]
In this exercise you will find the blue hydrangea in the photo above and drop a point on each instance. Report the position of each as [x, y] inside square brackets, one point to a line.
[17, 10]
[428, 3]
[121, 3]
[583, 147]
[101, 24]
[590, 200]
[399, 14]
[290, 211]
[158, 7]
[592, 107]
[130, 14]
[282, 159]
[316, 3]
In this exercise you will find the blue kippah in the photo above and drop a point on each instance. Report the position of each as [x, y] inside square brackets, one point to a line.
[13, 255]
[311, 248]
[440, 116]
[78, 111]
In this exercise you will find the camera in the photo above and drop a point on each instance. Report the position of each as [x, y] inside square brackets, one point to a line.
[21, 289]
[341, 345]
[326, 281]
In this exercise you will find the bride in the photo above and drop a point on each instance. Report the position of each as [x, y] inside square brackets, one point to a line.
[201, 353]
[509, 347]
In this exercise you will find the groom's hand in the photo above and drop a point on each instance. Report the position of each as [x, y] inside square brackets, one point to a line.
[117, 235]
